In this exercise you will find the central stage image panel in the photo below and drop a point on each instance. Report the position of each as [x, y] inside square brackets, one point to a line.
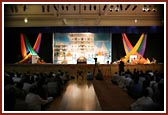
[74, 48]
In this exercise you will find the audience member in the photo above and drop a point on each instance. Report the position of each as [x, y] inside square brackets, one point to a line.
[34, 101]
[142, 103]
[99, 75]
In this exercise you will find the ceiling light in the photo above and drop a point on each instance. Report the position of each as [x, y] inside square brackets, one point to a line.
[25, 20]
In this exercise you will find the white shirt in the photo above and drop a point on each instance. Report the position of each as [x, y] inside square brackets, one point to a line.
[26, 87]
[35, 101]
[141, 103]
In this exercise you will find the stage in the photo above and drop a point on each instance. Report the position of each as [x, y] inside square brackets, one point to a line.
[107, 69]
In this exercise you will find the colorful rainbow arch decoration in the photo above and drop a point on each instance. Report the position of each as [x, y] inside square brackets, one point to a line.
[138, 49]
[27, 50]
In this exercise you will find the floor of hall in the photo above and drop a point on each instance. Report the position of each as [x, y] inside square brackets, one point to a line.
[80, 95]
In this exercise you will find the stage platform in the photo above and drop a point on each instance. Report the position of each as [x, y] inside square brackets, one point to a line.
[107, 69]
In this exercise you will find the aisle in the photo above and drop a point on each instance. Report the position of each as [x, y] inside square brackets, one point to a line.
[79, 95]
[111, 97]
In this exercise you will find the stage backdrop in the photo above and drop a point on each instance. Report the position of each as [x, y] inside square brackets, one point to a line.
[69, 47]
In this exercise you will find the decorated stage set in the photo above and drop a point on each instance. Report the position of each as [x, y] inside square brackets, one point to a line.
[74, 51]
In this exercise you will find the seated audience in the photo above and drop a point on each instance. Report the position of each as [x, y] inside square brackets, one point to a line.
[143, 103]
[99, 75]
[115, 78]
[34, 101]
[89, 76]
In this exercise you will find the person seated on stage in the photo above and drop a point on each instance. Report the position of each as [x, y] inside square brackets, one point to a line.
[153, 61]
[99, 75]
[40, 61]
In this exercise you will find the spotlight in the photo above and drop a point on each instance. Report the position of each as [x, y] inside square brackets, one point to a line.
[62, 7]
[127, 7]
[120, 7]
[67, 7]
[134, 7]
[90, 7]
[74, 7]
[55, 7]
[149, 8]
[14, 8]
[24, 8]
[144, 8]
[43, 8]
[94, 7]
[48, 8]
[105, 6]
[154, 10]
[117, 8]
[84, 7]
[111, 8]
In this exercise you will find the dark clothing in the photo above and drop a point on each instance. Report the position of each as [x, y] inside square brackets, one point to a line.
[121, 67]
[99, 75]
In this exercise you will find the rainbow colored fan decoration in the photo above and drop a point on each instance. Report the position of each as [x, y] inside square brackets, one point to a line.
[27, 50]
[137, 50]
